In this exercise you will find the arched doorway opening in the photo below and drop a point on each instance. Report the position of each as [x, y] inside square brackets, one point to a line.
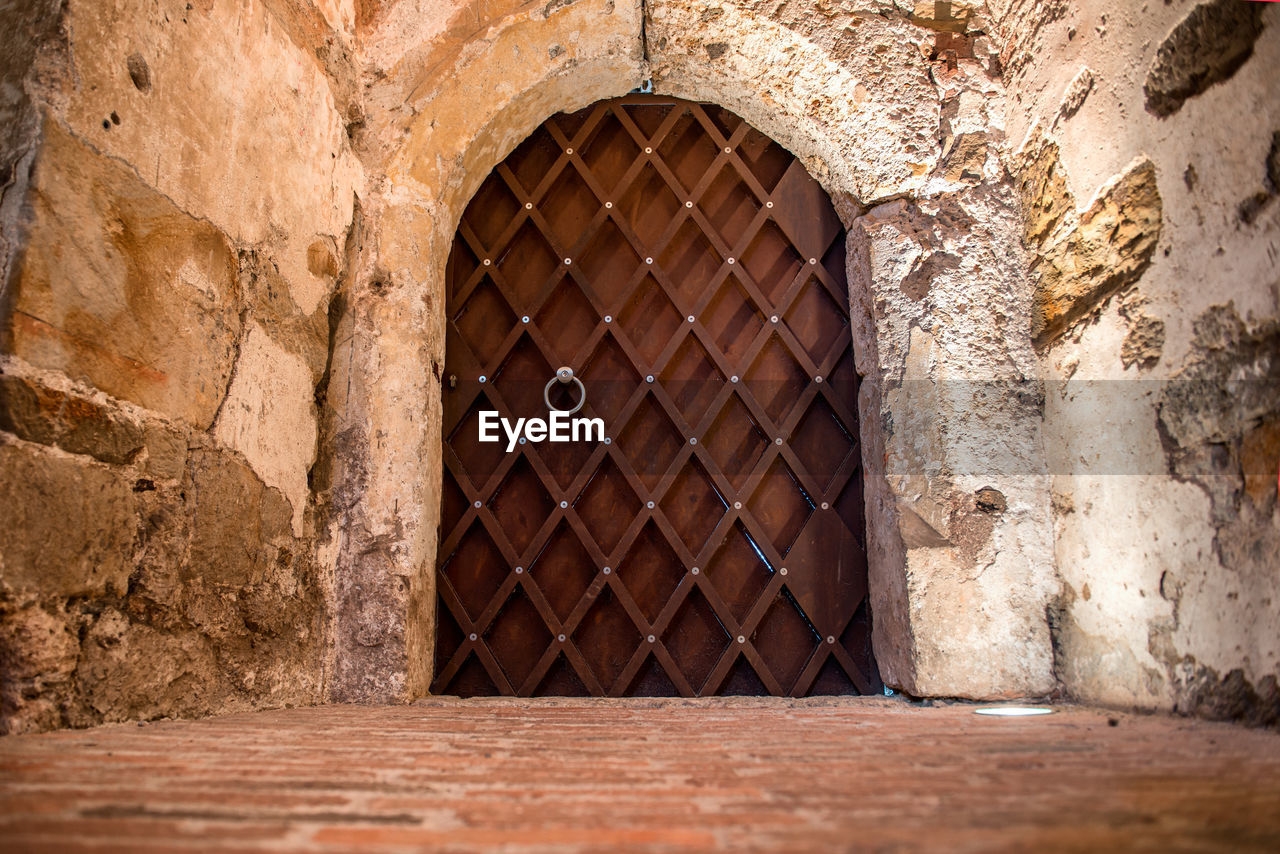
[692, 275]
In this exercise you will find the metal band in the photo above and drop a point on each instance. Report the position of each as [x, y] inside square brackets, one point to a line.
[546, 393]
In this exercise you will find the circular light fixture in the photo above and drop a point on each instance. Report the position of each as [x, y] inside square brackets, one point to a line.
[1013, 711]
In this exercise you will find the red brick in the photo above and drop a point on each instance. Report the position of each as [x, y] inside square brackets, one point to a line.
[585, 775]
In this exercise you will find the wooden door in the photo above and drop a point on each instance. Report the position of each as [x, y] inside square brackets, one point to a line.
[691, 273]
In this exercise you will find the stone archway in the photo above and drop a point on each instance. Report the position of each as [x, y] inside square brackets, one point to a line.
[940, 312]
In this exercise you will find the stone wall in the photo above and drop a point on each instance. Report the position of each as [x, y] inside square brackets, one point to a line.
[900, 116]
[223, 233]
[1148, 144]
[179, 187]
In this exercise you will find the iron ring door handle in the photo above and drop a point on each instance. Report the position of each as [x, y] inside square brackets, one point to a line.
[564, 375]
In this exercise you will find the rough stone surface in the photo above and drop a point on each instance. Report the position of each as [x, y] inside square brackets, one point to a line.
[122, 289]
[1144, 341]
[1206, 47]
[823, 85]
[37, 38]
[128, 596]
[951, 366]
[269, 416]
[1260, 462]
[223, 233]
[71, 521]
[1153, 397]
[74, 422]
[178, 181]
[1077, 90]
[1082, 259]
[254, 121]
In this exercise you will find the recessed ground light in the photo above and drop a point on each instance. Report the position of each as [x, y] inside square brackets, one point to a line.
[1013, 711]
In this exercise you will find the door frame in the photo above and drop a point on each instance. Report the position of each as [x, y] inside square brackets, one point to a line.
[935, 633]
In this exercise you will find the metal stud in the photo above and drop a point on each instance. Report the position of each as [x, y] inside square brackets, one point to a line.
[727, 150]
[768, 204]
[608, 318]
[608, 204]
[608, 441]
[777, 441]
[568, 151]
[826, 506]
[830, 639]
[648, 260]
[567, 262]
[649, 504]
[731, 261]
[524, 319]
[737, 505]
[606, 570]
[651, 639]
[741, 639]
[482, 378]
[690, 318]
[519, 570]
[560, 638]
[733, 379]
[528, 206]
[487, 262]
[693, 440]
[817, 379]
[649, 378]
[523, 440]
[476, 505]
[688, 204]
[648, 150]
[695, 570]
[472, 636]
[773, 318]
[813, 260]
[564, 504]
[782, 571]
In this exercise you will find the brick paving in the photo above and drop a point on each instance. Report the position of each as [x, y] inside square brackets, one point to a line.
[590, 775]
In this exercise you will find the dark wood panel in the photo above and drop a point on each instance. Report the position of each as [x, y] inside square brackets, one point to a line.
[692, 274]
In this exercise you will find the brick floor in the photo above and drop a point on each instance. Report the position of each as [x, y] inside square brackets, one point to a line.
[568, 775]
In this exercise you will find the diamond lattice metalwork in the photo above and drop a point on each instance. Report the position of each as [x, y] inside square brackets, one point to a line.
[691, 273]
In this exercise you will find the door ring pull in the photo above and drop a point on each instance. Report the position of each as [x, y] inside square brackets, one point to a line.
[564, 375]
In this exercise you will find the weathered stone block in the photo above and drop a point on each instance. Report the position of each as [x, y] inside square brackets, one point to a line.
[38, 652]
[66, 525]
[166, 451]
[251, 137]
[72, 422]
[234, 519]
[120, 288]
[1108, 249]
[1042, 188]
[180, 676]
[270, 417]
[1207, 47]
[305, 336]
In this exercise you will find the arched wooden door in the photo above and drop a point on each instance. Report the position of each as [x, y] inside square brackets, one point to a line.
[691, 273]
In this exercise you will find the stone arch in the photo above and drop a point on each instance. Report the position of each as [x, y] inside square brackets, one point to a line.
[435, 142]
